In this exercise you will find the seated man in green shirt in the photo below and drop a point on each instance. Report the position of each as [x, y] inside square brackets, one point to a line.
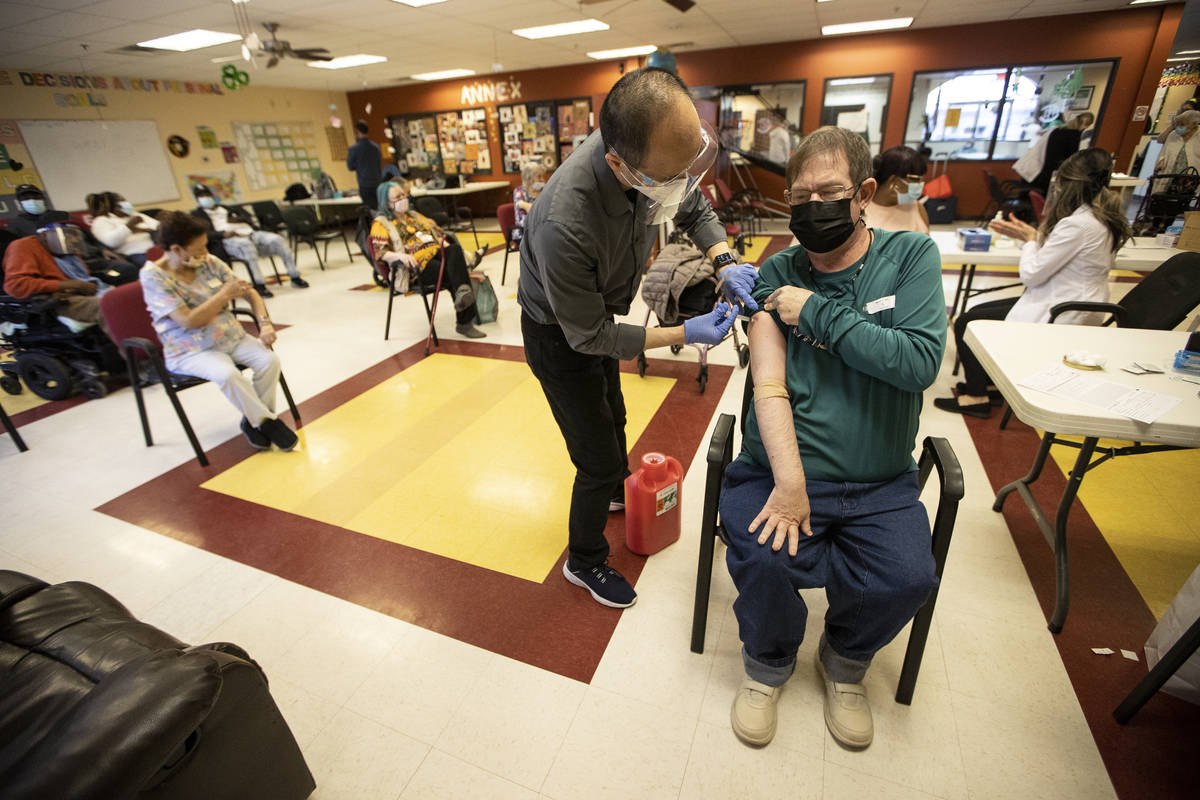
[824, 492]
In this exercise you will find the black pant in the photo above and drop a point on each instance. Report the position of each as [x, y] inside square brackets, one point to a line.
[974, 376]
[456, 275]
[585, 397]
[368, 194]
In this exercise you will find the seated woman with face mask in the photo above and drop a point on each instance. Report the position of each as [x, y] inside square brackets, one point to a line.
[121, 228]
[897, 206]
[188, 292]
[400, 235]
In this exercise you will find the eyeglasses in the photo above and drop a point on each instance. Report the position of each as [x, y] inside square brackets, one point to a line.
[827, 194]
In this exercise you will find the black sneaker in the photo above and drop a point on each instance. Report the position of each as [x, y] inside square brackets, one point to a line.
[263, 291]
[279, 434]
[607, 586]
[300, 283]
[257, 439]
[951, 404]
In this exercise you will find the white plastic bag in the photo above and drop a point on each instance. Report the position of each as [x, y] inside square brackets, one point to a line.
[1181, 615]
[1029, 166]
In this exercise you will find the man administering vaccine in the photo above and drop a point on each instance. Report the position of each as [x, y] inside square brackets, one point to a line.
[587, 239]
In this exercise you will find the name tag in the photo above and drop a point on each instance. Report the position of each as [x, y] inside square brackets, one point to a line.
[882, 304]
[424, 238]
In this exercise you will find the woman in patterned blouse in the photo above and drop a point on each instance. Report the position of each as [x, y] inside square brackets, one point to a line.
[187, 293]
[533, 180]
[411, 245]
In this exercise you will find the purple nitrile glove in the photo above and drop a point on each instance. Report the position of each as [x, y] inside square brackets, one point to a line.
[710, 328]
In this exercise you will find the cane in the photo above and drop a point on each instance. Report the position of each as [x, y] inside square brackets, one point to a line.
[437, 291]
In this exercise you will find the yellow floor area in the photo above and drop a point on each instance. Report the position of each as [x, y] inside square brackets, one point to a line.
[456, 455]
[755, 248]
[1144, 508]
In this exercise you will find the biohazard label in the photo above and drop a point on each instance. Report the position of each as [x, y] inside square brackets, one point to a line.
[666, 499]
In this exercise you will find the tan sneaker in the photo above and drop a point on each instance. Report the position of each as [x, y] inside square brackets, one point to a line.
[847, 712]
[753, 713]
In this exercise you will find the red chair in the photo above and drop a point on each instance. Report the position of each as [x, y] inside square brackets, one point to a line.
[81, 218]
[732, 229]
[1039, 204]
[124, 310]
[506, 215]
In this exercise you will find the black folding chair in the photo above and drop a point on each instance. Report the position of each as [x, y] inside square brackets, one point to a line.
[463, 219]
[12, 431]
[302, 225]
[935, 452]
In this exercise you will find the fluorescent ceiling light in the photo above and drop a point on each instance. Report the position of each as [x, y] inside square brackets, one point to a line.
[418, 3]
[342, 62]
[446, 73]
[850, 81]
[562, 29]
[824, 1]
[866, 27]
[1187, 52]
[625, 52]
[190, 40]
[1185, 58]
[1139, 2]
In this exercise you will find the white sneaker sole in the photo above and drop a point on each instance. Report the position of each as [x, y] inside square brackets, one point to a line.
[571, 577]
[615, 506]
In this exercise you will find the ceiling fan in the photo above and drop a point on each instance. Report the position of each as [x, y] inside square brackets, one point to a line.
[276, 48]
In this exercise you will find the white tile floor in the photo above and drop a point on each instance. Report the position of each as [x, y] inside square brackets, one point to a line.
[383, 709]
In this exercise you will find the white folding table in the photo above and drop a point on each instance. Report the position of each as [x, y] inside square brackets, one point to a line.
[1013, 351]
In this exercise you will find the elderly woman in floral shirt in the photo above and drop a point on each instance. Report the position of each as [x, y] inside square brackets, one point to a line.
[401, 236]
[187, 293]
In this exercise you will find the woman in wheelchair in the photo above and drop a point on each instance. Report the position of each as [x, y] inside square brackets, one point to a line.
[187, 293]
[413, 246]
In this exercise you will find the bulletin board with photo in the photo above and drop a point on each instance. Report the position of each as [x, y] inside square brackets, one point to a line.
[528, 132]
[464, 142]
[415, 138]
[276, 153]
[574, 124]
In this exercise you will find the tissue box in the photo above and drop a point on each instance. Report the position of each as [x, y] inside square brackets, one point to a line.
[974, 239]
[1167, 240]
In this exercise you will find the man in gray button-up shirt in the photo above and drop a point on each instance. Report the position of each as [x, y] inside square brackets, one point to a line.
[587, 239]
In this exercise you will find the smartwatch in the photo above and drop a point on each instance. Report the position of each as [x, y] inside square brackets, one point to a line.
[724, 260]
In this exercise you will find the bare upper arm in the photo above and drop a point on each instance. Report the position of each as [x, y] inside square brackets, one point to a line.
[768, 349]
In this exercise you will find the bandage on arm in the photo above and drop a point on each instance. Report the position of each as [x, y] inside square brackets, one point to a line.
[772, 407]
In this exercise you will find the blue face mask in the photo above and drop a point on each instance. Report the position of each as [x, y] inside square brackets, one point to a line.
[207, 202]
[1181, 129]
[35, 206]
[126, 207]
[912, 194]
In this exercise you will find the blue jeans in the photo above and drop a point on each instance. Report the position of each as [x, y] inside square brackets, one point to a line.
[870, 549]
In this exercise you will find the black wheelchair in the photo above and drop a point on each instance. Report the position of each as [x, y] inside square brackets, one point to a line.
[53, 360]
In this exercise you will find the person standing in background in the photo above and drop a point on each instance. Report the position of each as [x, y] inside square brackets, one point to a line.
[364, 159]
[1061, 144]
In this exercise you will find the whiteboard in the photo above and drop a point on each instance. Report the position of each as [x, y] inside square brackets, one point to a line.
[78, 157]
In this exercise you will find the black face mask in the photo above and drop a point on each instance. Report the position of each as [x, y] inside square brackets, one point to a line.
[822, 226]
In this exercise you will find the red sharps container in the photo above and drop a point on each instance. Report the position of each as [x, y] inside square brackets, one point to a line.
[652, 504]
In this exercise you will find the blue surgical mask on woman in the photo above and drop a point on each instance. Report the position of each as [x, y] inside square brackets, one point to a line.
[207, 202]
[912, 194]
[1181, 129]
[35, 206]
[126, 208]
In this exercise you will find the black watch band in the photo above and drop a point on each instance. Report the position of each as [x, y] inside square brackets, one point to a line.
[724, 260]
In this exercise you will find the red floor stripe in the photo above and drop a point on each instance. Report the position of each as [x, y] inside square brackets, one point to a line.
[552, 625]
[1154, 756]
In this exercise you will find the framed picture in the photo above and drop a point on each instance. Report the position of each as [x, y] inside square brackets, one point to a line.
[1082, 98]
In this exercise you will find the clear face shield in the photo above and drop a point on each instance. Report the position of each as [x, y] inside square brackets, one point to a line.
[61, 239]
[666, 196]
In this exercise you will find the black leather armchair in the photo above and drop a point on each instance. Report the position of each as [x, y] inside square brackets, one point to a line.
[95, 704]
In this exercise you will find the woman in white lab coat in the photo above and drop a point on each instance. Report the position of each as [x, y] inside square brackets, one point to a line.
[1067, 258]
